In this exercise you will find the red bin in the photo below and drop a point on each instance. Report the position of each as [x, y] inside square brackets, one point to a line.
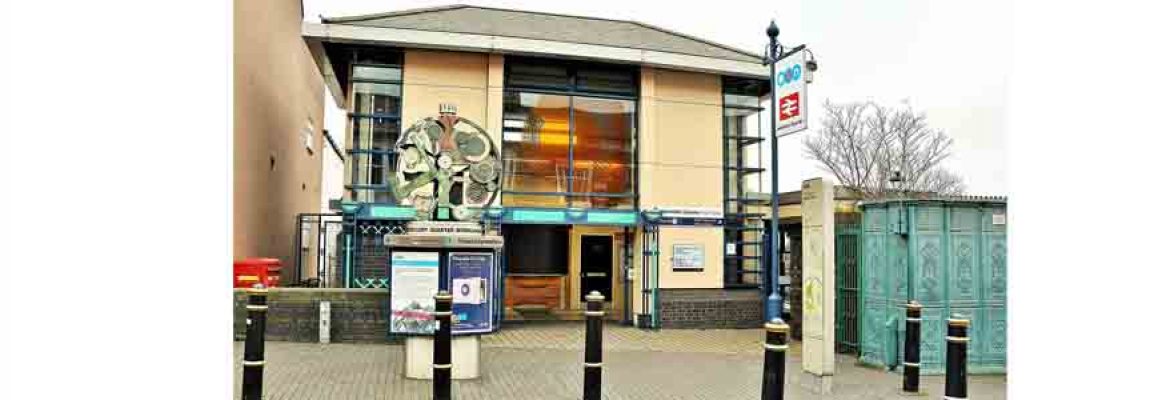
[250, 271]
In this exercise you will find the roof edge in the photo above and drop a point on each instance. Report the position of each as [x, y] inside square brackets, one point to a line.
[412, 11]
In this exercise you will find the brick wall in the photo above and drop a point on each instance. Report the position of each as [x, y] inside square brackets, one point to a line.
[373, 258]
[711, 308]
[357, 315]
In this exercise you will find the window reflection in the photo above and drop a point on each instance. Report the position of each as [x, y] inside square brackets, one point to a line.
[536, 148]
[602, 150]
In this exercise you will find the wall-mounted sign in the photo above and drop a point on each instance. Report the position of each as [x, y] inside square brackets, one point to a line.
[471, 283]
[687, 257]
[684, 216]
[999, 218]
[445, 228]
[432, 241]
[415, 280]
[791, 95]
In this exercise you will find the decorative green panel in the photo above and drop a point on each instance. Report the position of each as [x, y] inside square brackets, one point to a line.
[875, 219]
[964, 220]
[874, 331]
[928, 218]
[995, 349]
[933, 340]
[873, 266]
[963, 285]
[995, 267]
[929, 274]
[896, 258]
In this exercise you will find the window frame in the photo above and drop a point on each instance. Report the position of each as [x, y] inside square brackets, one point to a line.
[358, 190]
[571, 91]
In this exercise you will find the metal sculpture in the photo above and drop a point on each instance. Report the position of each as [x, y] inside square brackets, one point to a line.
[447, 162]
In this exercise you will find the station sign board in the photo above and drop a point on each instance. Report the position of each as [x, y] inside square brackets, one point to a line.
[790, 86]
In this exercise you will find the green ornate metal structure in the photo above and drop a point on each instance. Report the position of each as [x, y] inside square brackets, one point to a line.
[955, 251]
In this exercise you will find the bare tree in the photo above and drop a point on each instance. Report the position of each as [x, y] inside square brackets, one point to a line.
[862, 144]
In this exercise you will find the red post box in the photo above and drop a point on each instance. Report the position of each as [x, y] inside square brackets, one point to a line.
[250, 271]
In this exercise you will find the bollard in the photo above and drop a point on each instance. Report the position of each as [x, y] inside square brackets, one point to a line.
[254, 343]
[956, 383]
[910, 366]
[593, 314]
[775, 347]
[441, 355]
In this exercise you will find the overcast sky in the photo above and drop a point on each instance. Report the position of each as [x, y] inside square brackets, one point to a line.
[946, 59]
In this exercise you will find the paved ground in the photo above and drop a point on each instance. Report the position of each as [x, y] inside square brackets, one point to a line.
[543, 361]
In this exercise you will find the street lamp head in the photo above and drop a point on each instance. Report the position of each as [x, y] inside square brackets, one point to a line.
[773, 31]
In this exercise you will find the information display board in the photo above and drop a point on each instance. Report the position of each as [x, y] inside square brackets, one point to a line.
[472, 276]
[414, 282]
[687, 257]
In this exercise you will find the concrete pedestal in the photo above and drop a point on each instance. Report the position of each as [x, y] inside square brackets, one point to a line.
[464, 357]
[816, 384]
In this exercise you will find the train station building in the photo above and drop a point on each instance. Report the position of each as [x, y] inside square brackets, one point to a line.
[609, 155]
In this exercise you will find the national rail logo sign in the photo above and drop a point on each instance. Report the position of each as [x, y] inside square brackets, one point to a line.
[789, 107]
[791, 95]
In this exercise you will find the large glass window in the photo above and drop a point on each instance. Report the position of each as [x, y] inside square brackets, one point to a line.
[376, 89]
[568, 137]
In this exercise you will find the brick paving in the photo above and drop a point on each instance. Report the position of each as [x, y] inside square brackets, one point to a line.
[543, 361]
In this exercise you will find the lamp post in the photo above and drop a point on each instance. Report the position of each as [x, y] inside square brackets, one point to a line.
[896, 182]
[772, 54]
[773, 306]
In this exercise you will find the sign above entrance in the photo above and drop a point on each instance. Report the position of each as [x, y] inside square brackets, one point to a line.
[569, 216]
[791, 95]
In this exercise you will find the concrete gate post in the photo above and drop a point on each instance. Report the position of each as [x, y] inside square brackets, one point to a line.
[818, 285]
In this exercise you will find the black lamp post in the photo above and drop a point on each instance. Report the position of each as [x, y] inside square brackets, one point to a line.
[773, 54]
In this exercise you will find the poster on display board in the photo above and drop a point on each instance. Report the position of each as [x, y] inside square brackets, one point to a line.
[471, 286]
[414, 282]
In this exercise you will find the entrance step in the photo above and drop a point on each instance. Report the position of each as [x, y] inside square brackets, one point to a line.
[535, 312]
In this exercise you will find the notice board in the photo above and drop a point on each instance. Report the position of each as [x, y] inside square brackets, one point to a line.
[414, 282]
[471, 286]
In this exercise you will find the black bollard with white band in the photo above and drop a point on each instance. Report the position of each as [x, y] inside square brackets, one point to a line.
[593, 315]
[910, 367]
[957, 340]
[775, 348]
[441, 361]
[257, 307]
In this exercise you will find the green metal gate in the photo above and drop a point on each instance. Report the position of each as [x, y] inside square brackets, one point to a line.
[848, 246]
[955, 252]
